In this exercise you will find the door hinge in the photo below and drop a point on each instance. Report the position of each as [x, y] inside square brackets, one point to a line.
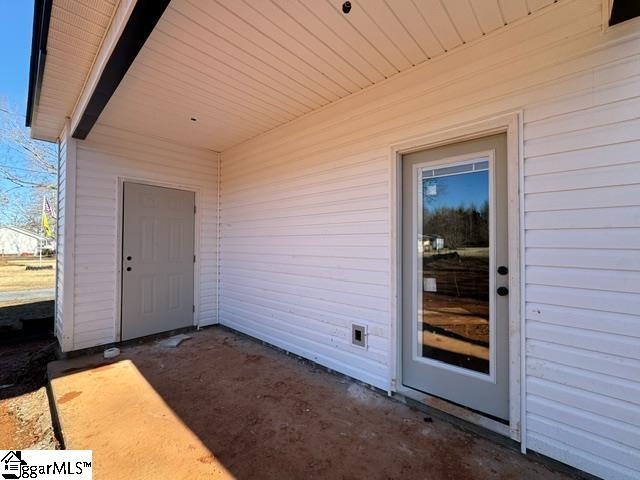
[194, 259]
[194, 309]
[195, 209]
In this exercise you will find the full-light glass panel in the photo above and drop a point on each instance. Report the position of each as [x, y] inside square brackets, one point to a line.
[454, 225]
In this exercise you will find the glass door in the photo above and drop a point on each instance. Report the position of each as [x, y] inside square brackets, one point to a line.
[455, 278]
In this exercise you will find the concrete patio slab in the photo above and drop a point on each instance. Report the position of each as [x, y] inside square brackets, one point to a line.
[222, 405]
[111, 409]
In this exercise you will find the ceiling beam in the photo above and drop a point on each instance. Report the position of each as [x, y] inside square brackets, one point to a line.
[141, 22]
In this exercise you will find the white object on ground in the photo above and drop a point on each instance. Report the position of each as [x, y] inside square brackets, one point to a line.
[111, 352]
[173, 342]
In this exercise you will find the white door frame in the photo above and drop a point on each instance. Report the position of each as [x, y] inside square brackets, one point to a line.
[511, 124]
[196, 245]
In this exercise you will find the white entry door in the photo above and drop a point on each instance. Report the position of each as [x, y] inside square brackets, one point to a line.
[157, 259]
[455, 276]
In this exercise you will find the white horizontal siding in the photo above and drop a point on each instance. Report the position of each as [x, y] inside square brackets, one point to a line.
[306, 254]
[582, 203]
[106, 156]
[305, 215]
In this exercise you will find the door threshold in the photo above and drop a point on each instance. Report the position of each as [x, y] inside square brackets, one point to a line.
[457, 411]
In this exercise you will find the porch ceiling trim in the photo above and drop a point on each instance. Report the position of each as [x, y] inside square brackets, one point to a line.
[143, 19]
[41, 21]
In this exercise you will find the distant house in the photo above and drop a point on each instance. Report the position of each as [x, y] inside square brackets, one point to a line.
[432, 242]
[18, 241]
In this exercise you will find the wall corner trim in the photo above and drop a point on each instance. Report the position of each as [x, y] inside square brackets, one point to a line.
[68, 342]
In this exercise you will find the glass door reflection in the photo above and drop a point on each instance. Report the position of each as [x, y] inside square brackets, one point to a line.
[453, 245]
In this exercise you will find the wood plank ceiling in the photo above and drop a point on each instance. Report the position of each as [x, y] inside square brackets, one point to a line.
[242, 67]
[76, 30]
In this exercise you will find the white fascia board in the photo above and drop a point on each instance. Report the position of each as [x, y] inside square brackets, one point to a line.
[118, 23]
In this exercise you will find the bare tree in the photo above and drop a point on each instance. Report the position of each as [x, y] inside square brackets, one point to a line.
[27, 171]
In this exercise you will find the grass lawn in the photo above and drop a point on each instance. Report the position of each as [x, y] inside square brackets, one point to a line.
[14, 276]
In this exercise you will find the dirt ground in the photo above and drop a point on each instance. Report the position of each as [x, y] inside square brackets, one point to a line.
[14, 276]
[26, 346]
[264, 414]
[25, 421]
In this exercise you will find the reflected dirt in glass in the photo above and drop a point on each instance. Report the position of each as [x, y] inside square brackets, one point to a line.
[455, 265]
[455, 326]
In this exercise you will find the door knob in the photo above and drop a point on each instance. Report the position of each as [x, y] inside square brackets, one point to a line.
[502, 291]
[129, 258]
[502, 270]
[129, 269]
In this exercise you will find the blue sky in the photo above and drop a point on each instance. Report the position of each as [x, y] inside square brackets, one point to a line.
[16, 17]
[460, 190]
[16, 22]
